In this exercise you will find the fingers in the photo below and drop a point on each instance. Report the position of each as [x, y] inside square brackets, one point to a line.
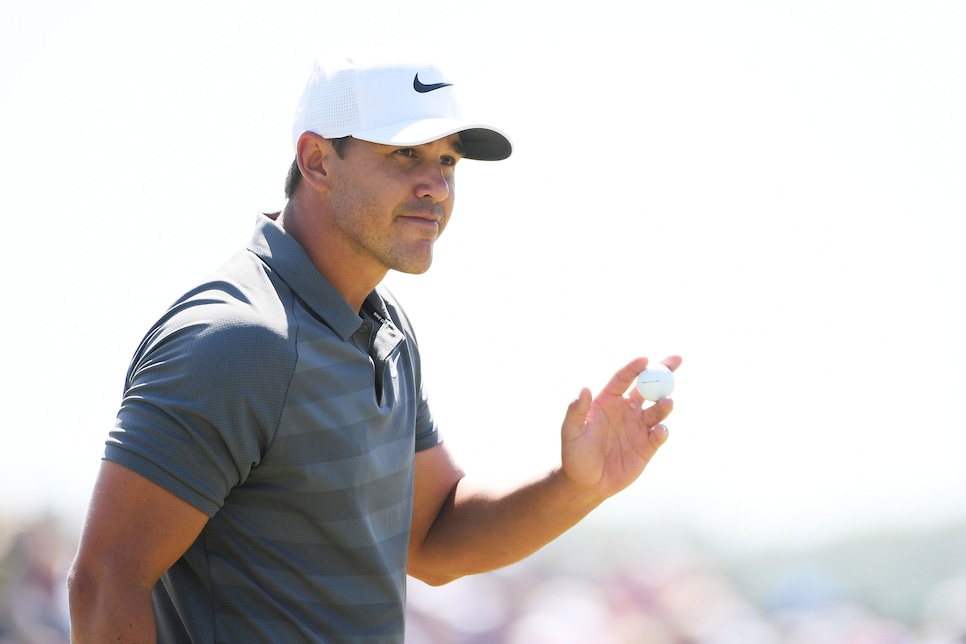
[658, 435]
[657, 413]
[672, 362]
[623, 379]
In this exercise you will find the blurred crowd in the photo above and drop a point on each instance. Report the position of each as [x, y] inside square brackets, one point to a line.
[672, 595]
[33, 590]
[595, 589]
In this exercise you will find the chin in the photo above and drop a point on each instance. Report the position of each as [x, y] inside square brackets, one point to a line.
[414, 270]
[414, 264]
[413, 267]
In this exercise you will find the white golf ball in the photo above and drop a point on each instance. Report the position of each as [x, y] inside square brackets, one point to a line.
[655, 383]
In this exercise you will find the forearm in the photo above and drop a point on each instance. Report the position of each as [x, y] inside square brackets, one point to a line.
[477, 531]
[109, 614]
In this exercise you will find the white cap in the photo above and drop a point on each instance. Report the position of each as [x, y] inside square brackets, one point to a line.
[393, 103]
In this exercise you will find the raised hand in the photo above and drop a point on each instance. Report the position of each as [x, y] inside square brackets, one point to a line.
[607, 441]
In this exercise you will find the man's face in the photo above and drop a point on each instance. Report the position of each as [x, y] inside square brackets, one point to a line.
[391, 203]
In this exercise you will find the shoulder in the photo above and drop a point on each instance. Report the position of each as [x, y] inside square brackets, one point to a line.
[237, 321]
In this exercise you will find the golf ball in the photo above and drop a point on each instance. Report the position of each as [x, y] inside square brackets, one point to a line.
[655, 383]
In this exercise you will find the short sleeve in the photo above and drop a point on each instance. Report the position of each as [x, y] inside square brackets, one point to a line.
[202, 399]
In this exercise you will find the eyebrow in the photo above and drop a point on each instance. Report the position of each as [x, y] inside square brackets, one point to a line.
[457, 147]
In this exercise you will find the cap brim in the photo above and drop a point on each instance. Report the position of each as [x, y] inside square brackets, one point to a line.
[480, 142]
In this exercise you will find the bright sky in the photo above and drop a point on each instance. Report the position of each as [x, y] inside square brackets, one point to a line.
[770, 189]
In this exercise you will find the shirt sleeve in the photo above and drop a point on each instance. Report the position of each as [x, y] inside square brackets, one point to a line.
[202, 400]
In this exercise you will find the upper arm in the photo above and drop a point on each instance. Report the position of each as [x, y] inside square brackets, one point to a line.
[434, 487]
[135, 529]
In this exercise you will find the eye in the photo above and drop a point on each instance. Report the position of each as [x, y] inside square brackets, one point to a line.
[406, 152]
[447, 160]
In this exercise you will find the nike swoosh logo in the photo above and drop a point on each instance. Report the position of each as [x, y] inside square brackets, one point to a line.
[422, 88]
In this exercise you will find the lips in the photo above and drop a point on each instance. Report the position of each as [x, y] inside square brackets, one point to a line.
[432, 213]
[427, 223]
[434, 217]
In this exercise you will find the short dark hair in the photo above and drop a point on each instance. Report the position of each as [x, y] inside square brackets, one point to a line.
[294, 176]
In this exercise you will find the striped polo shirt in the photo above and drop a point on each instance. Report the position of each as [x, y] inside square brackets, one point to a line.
[262, 399]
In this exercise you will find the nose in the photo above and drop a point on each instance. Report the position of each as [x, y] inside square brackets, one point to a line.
[435, 182]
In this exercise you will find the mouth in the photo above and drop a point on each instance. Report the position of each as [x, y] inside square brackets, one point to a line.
[428, 218]
[433, 217]
[426, 226]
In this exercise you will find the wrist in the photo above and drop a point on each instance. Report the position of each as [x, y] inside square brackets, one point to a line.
[579, 496]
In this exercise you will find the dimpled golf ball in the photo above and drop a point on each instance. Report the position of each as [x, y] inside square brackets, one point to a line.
[655, 383]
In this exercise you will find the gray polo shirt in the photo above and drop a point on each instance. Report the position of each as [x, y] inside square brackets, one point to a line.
[265, 401]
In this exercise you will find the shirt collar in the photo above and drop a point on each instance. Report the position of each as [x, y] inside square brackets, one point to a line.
[288, 260]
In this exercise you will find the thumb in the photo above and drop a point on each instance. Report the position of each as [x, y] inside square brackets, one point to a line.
[576, 414]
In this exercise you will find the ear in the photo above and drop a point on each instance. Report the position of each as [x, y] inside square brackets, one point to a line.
[315, 156]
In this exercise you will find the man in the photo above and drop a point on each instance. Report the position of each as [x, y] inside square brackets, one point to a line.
[275, 470]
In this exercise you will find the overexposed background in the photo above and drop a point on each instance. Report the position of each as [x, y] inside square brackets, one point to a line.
[772, 190]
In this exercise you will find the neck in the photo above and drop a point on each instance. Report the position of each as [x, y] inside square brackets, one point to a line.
[308, 226]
